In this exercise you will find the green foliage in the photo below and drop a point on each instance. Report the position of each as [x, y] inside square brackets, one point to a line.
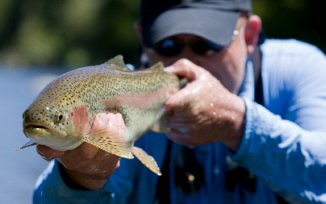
[300, 19]
[66, 33]
[75, 33]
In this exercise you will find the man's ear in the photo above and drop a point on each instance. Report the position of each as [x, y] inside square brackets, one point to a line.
[252, 30]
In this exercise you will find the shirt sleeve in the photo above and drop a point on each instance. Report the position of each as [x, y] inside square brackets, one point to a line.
[285, 143]
[290, 159]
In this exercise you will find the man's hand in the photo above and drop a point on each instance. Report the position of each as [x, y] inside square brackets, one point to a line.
[204, 111]
[86, 166]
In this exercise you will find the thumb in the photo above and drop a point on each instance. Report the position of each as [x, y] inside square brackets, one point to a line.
[183, 68]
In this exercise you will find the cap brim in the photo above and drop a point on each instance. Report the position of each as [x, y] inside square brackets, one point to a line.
[214, 25]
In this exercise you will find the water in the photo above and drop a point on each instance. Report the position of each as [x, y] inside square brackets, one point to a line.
[18, 169]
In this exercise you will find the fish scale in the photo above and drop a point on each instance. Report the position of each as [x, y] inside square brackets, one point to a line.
[71, 109]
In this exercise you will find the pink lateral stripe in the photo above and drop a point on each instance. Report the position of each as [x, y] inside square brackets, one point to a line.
[141, 100]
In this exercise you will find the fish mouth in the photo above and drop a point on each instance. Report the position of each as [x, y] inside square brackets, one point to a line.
[47, 135]
[31, 130]
[40, 130]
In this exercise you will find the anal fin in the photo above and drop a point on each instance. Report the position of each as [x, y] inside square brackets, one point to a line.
[146, 159]
[161, 124]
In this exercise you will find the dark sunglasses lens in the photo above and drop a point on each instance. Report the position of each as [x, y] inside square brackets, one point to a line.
[204, 47]
[168, 48]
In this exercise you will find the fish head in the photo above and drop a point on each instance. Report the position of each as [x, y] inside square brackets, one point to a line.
[56, 120]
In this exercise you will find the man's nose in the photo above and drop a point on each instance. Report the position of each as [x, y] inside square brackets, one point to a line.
[190, 55]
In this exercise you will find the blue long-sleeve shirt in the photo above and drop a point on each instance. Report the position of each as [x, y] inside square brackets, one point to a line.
[284, 144]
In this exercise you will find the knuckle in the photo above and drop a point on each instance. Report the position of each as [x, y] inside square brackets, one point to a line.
[183, 62]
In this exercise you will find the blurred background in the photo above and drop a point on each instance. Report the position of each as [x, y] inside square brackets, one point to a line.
[42, 39]
[75, 33]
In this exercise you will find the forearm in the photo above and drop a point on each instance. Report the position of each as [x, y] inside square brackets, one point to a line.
[291, 160]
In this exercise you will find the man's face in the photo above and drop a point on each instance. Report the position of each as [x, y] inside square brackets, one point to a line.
[227, 64]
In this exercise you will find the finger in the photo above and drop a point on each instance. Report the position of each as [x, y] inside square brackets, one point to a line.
[100, 166]
[72, 159]
[180, 100]
[179, 137]
[47, 153]
[175, 135]
[173, 103]
[183, 68]
[106, 164]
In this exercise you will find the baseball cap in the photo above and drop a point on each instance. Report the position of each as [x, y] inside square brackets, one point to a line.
[213, 20]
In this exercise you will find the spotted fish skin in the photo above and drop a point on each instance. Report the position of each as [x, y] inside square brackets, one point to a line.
[62, 115]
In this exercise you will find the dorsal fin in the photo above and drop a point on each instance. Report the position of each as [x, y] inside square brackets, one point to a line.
[117, 63]
[157, 66]
[117, 60]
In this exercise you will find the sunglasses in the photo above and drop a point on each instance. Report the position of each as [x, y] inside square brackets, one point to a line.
[171, 47]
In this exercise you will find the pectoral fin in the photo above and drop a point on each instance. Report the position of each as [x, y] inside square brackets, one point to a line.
[111, 143]
[108, 132]
[146, 159]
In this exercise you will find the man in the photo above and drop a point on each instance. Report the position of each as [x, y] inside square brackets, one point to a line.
[247, 128]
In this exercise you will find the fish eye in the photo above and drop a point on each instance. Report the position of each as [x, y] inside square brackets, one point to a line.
[58, 118]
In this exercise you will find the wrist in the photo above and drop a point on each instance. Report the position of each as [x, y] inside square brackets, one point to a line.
[237, 128]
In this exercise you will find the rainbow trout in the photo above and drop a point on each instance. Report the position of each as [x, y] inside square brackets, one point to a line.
[106, 105]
